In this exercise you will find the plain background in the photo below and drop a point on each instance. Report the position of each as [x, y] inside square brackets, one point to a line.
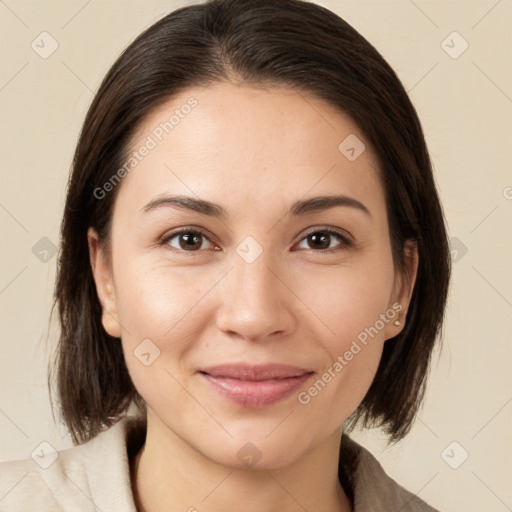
[464, 104]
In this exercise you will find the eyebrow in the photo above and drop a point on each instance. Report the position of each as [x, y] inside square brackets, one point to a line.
[300, 207]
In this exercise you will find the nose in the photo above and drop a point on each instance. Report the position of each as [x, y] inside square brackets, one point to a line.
[256, 301]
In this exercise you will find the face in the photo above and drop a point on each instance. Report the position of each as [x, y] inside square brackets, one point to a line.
[267, 276]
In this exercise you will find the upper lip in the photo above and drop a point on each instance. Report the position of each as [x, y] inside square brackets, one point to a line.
[243, 371]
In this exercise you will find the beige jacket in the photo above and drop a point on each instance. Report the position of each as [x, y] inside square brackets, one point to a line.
[95, 477]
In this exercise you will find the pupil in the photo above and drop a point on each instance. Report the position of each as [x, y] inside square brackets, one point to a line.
[191, 240]
[323, 239]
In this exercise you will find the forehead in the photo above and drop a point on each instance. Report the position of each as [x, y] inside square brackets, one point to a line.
[251, 145]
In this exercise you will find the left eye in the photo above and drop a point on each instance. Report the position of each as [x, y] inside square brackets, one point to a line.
[322, 239]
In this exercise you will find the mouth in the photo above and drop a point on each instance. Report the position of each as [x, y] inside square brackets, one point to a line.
[255, 386]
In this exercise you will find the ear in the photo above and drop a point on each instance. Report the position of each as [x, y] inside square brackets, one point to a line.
[403, 288]
[102, 273]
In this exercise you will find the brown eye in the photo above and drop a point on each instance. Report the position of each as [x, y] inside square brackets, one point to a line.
[187, 240]
[323, 240]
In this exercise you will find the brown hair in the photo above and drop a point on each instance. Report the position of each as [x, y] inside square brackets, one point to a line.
[289, 43]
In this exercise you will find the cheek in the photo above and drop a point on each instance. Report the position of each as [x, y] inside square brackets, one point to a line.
[156, 301]
[348, 300]
[162, 312]
[352, 304]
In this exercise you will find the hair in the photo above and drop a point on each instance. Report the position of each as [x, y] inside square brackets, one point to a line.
[258, 43]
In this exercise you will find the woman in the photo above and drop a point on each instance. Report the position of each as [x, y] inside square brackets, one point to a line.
[253, 260]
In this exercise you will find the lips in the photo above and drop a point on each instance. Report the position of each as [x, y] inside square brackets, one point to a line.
[255, 386]
[255, 373]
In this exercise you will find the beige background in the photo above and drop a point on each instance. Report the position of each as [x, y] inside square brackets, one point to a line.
[464, 104]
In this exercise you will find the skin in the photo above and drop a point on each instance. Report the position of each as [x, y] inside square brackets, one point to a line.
[254, 152]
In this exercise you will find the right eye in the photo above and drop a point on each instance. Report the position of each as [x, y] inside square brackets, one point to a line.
[188, 240]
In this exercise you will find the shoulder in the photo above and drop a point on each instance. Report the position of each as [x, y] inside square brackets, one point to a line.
[374, 490]
[92, 476]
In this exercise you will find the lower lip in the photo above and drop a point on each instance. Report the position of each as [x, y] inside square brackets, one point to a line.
[256, 393]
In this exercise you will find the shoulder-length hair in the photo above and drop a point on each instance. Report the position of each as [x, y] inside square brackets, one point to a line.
[262, 43]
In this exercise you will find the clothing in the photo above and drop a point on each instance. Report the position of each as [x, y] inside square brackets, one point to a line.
[95, 476]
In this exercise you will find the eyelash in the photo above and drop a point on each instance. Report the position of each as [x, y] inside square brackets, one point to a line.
[345, 241]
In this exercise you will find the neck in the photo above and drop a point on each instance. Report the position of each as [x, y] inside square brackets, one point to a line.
[169, 474]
